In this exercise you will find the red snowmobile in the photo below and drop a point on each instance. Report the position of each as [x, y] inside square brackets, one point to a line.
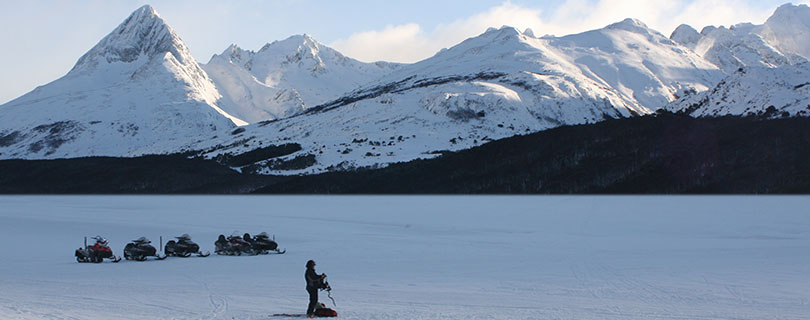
[97, 252]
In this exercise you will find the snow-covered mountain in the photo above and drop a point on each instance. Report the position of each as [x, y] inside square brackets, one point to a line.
[286, 77]
[789, 29]
[767, 66]
[137, 91]
[753, 91]
[642, 64]
[140, 91]
[496, 85]
[783, 39]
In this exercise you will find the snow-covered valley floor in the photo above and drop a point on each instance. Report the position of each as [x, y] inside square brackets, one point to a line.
[416, 257]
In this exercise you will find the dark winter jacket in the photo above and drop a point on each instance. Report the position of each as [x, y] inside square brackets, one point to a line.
[313, 279]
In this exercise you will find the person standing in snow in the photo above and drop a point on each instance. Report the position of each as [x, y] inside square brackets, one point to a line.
[314, 282]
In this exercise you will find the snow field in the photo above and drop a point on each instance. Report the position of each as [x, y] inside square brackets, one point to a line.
[417, 257]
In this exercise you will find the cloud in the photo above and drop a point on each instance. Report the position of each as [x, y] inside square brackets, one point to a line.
[411, 42]
[395, 43]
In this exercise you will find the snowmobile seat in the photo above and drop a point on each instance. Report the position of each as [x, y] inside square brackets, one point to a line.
[142, 240]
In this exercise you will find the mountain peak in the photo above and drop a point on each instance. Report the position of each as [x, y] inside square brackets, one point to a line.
[146, 10]
[790, 9]
[235, 54]
[503, 31]
[292, 43]
[788, 27]
[686, 35]
[142, 33]
[629, 24]
[789, 14]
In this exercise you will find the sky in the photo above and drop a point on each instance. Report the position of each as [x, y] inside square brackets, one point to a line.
[42, 40]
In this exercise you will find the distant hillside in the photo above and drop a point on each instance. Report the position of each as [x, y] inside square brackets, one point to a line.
[663, 154]
[172, 174]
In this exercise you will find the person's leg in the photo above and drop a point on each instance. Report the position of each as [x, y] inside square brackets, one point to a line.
[313, 300]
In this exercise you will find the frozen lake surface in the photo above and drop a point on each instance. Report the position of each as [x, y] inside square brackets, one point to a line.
[419, 257]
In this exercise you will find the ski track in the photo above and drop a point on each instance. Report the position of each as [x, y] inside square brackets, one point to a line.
[705, 258]
[219, 304]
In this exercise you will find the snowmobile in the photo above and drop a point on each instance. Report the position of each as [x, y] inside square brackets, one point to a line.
[97, 252]
[140, 249]
[232, 246]
[183, 247]
[262, 244]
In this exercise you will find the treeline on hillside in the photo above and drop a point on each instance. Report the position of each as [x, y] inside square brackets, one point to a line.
[158, 174]
[662, 154]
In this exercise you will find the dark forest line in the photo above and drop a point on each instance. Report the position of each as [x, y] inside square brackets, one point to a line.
[662, 154]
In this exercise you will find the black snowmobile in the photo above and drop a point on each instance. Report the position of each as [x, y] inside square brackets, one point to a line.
[97, 252]
[262, 244]
[183, 247]
[232, 246]
[140, 249]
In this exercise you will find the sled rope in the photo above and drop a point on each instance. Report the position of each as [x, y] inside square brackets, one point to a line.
[329, 294]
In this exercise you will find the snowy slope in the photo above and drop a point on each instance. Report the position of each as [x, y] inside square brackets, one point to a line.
[772, 92]
[640, 63]
[782, 40]
[789, 29]
[286, 77]
[767, 66]
[582, 258]
[137, 91]
[496, 85]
